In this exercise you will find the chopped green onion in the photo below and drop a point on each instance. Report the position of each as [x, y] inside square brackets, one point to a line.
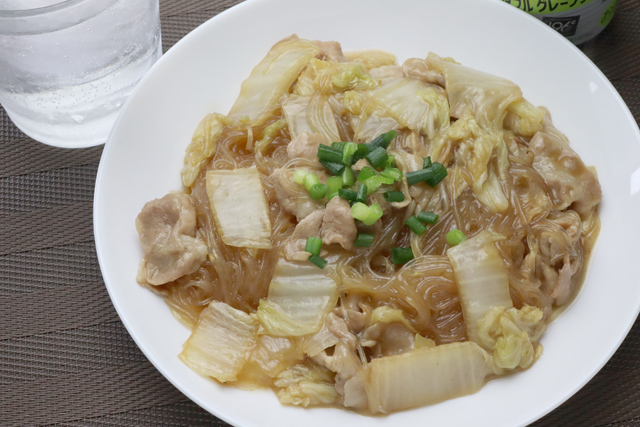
[382, 140]
[377, 157]
[360, 211]
[415, 225]
[416, 176]
[375, 213]
[387, 138]
[331, 195]
[367, 214]
[393, 173]
[374, 183]
[394, 196]
[318, 191]
[401, 255]
[318, 261]
[334, 183]
[338, 146]
[334, 168]
[348, 151]
[391, 162]
[362, 193]
[313, 246]
[428, 217]
[361, 152]
[455, 237]
[437, 173]
[364, 240]
[298, 176]
[426, 162]
[310, 180]
[328, 154]
[432, 175]
[348, 195]
[347, 177]
[365, 173]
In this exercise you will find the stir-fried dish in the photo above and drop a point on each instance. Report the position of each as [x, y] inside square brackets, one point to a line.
[361, 234]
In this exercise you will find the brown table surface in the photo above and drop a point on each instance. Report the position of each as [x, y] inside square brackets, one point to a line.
[66, 358]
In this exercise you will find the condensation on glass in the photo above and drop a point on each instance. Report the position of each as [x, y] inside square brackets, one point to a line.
[67, 67]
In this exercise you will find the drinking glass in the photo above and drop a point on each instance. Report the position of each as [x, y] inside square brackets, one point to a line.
[67, 66]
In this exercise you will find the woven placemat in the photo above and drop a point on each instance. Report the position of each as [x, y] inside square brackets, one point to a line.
[65, 357]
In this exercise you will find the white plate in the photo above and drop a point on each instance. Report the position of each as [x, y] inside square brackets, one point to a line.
[202, 74]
